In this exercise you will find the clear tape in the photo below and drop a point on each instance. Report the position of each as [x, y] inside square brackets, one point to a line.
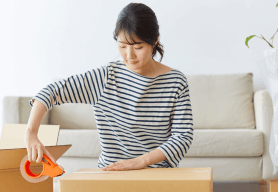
[134, 172]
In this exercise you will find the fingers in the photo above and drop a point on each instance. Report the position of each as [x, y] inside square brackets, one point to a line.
[34, 154]
[40, 154]
[29, 151]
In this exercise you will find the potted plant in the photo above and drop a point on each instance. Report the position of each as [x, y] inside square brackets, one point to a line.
[250, 37]
[269, 72]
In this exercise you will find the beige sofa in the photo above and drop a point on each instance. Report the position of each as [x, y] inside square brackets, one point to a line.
[231, 122]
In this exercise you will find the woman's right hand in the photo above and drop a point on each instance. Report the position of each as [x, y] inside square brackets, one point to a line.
[36, 149]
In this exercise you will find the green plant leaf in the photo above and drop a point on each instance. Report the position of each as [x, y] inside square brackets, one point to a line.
[247, 39]
[273, 35]
[277, 5]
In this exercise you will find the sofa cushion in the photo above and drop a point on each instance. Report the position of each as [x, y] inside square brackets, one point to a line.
[218, 102]
[16, 109]
[227, 142]
[207, 142]
[222, 101]
[73, 116]
[85, 142]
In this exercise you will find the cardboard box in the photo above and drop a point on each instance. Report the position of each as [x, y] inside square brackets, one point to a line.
[13, 150]
[143, 180]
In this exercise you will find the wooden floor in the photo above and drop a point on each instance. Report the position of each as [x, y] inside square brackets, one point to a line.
[273, 186]
[243, 187]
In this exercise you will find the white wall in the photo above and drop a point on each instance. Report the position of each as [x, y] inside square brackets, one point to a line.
[45, 40]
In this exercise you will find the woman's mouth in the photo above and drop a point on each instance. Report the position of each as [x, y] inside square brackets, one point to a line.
[133, 62]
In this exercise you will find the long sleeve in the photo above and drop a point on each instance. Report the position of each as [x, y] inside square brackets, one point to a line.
[83, 88]
[182, 129]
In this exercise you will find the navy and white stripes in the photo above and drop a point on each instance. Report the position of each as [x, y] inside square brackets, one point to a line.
[134, 114]
[84, 88]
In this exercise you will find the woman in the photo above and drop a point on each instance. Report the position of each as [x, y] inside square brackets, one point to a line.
[142, 107]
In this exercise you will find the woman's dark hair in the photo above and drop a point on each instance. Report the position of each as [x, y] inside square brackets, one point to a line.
[140, 20]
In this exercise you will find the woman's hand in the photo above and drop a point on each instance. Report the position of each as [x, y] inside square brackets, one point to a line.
[35, 149]
[124, 165]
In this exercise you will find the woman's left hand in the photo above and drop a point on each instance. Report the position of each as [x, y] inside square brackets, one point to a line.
[124, 165]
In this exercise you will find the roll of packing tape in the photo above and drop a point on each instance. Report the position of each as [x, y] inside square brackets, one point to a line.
[28, 178]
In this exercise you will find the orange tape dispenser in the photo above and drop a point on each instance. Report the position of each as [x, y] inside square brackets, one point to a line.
[49, 170]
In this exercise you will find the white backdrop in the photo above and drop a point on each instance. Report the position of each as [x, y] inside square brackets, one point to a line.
[42, 41]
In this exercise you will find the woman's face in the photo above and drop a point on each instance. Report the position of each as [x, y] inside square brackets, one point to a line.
[141, 53]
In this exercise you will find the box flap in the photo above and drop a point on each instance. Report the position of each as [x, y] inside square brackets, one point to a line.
[11, 158]
[12, 135]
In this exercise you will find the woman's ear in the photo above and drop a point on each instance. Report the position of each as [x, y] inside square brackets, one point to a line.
[156, 40]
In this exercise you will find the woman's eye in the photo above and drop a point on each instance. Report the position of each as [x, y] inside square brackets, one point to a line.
[135, 48]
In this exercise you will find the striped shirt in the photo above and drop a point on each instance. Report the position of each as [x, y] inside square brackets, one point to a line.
[134, 114]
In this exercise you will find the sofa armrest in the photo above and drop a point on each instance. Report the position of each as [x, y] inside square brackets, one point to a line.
[263, 114]
[16, 110]
[263, 110]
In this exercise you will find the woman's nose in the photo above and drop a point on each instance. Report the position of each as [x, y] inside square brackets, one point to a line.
[130, 54]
